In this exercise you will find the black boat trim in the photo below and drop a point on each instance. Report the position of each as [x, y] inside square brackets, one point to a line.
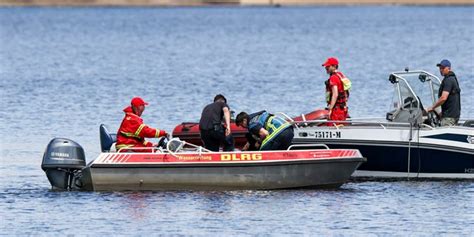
[386, 143]
[450, 137]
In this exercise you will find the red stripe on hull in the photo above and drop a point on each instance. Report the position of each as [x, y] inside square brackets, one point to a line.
[229, 157]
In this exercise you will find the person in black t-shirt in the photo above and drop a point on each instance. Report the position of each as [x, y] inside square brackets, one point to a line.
[214, 125]
[449, 96]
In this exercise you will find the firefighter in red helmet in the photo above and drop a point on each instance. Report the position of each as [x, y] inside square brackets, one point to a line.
[132, 132]
[337, 91]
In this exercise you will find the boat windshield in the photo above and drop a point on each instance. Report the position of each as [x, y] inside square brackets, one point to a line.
[414, 91]
[424, 86]
[403, 97]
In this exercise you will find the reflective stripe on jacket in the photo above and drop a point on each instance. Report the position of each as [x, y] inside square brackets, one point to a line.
[133, 131]
[274, 125]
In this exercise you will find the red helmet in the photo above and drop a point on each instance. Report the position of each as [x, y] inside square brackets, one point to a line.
[331, 62]
[137, 101]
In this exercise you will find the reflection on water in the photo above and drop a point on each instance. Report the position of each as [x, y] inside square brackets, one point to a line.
[136, 205]
[352, 209]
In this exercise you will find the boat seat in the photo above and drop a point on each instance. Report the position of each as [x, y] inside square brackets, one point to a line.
[409, 102]
[107, 139]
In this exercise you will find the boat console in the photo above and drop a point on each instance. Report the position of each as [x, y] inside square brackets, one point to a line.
[413, 90]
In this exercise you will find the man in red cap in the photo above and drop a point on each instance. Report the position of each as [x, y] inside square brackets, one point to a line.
[133, 131]
[336, 94]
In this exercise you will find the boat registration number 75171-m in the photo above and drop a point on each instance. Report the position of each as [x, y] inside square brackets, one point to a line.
[327, 134]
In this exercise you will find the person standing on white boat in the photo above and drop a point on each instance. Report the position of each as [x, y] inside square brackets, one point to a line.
[449, 95]
[132, 132]
[337, 91]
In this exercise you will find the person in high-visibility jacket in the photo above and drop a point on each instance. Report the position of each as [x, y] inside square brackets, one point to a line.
[272, 133]
[132, 132]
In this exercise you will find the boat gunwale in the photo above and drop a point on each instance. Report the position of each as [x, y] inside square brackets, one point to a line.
[227, 163]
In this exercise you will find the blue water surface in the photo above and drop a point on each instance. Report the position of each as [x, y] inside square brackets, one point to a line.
[64, 71]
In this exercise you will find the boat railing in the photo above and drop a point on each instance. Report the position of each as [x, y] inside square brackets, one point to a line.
[368, 118]
[152, 149]
[180, 145]
[340, 124]
[307, 146]
[288, 118]
[173, 146]
[426, 126]
[401, 74]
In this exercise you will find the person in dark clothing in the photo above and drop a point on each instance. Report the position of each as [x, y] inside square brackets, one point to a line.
[449, 96]
[214, 125]
[273, 133]
[252, 142]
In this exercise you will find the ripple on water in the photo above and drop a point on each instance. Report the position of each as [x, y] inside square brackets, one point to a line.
[64, 71]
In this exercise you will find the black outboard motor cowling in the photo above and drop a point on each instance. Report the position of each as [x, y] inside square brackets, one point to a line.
[62, 160]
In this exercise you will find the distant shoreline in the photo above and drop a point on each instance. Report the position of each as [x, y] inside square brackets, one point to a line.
[171, 3]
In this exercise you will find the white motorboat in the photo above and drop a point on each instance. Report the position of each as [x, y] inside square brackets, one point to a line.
[407, 142]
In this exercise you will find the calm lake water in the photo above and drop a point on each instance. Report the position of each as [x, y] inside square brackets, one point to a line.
[64, 71]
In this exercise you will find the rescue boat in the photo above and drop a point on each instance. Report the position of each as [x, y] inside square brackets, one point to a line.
[178, 165]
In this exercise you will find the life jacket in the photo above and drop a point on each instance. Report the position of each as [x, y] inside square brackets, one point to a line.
[133, 131]
[274, 125]
[456, 90]
[343, 92]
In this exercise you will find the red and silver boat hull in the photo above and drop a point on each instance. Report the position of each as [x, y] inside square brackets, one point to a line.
[222, 170]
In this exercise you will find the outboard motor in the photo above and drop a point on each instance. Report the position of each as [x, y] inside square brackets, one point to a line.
[62, 160]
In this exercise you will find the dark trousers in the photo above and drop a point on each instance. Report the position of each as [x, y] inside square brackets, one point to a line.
[212, 140]
[281, 142]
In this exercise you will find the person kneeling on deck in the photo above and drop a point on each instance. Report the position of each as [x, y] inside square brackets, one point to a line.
[274, 133]
[132, 132]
